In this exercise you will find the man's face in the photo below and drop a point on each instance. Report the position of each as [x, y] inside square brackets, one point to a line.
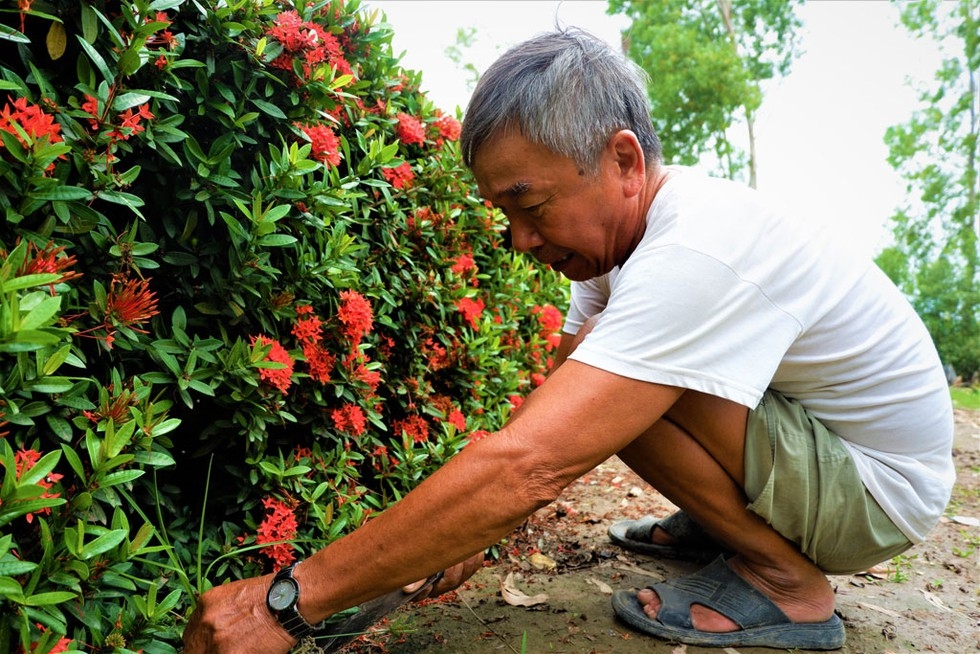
[579, 224]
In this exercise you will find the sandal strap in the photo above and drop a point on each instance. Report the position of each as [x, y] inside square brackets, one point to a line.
[719, 588]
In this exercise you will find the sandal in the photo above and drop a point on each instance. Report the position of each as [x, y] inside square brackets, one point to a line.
[718, 587]
[691, 542]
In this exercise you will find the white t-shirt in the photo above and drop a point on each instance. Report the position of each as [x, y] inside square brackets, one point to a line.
[728, 296]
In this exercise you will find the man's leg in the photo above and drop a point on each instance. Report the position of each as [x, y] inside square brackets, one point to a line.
[694, 456]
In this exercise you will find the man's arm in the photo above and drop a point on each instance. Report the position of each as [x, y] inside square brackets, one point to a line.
[574, 421]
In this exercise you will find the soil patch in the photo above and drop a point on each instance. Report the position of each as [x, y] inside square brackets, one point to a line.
[923, 601]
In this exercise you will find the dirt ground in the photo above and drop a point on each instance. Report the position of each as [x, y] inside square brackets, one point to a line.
[927, 600]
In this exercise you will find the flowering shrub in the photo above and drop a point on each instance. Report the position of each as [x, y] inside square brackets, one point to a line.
[248, 299]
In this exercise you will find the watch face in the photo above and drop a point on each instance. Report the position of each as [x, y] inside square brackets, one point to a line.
[282, 594]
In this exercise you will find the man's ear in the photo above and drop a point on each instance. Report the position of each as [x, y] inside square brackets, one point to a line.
[628, 157]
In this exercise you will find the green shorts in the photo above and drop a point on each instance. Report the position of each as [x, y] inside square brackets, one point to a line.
[800, 479]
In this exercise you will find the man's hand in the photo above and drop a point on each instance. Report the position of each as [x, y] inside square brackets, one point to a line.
[451, 578]
[233, 619]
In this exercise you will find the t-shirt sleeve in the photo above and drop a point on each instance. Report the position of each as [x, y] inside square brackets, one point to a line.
[682, 318]
[587, 299]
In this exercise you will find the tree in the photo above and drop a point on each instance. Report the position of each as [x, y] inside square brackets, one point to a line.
[707, 59]
[935, 255]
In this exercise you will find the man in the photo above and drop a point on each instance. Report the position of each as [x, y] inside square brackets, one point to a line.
[775, 387]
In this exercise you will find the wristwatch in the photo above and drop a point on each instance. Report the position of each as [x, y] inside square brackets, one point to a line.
[283, 601]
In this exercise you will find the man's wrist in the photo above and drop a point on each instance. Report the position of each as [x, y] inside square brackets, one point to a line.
[283, 601]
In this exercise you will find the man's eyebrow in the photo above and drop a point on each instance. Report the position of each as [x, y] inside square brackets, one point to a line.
[517, 189]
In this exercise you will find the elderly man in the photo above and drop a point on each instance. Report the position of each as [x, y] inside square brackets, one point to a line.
[774, 386]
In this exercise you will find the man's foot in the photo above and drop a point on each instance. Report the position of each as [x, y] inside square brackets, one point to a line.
[674, 537]
[814, 603]
[734, 606]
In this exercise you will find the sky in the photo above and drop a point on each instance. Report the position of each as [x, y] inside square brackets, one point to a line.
[819, 132]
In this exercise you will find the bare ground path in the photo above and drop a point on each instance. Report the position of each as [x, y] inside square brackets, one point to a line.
[927, 600]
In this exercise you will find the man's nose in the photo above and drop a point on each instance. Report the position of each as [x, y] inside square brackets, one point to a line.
[524, 237]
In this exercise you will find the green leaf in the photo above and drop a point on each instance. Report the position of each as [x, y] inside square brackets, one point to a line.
[276, 240]
[47, 599]
[97, 59]
[269, 108]
[41, 314]
[103, 544]
[63, 194]
[16, 568]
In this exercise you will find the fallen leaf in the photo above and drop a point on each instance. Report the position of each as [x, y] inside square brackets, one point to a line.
[603, 587]
[968, 520]
[516, 597]
[934, 600]
[629, 567]
[880, 609]
[542, 561]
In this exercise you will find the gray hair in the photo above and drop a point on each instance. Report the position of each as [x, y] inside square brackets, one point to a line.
[566, 90]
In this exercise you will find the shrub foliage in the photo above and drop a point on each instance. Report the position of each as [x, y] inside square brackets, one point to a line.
[248, 298]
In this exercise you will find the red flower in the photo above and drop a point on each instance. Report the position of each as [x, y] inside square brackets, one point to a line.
[399, 177]
[130, 120]
[537, 378]
[60, 646]
[47, 260]
[516, 401]
[457, 419]
[91, 107]
[438, 357]
[349, 419]
[31, 119]
[326, 145]
[279, 378]
[478, 435]
[449, 128]
[307, 42]
[549, 317]
[414, 426]
[464, 264]
[356, 314]
[24, 460]
[471, 310]
[130, 303]
[368, 377]
[410, 130]
[278, 525]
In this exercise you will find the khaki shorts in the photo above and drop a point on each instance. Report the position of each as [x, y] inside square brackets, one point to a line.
[800, 478]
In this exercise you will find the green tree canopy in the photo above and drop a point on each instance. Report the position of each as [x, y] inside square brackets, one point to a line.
[706, 60]
[935, 256]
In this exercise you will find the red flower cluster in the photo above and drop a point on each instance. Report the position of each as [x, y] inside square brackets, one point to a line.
[279, 378]
[31, 119]
[448, 128]
[279, 525]
[410, 130]
[437, 355]
[24, 460]
[415, 426]
[128, 120]
[349, 419]
[471, 310]
[306, 329]
[464, 263]
[61, 646]
[308, 42]
[326, 145]
[47, 260]
[356, 314]
[551, 322]
[400, 176]
[130, 302]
